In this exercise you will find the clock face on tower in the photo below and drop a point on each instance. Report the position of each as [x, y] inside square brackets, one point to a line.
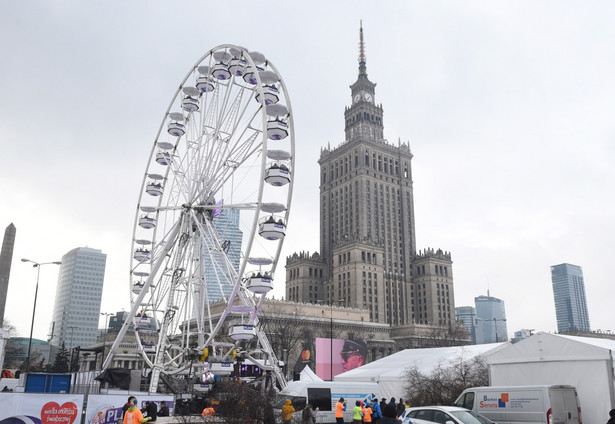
[368, 97]
[357, 98]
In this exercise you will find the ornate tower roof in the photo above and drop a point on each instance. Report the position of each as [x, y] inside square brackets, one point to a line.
[363, 117]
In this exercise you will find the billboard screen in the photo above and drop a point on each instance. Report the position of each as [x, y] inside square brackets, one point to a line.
[335, 356]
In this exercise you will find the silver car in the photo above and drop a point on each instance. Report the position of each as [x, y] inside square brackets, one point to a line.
[441, 415]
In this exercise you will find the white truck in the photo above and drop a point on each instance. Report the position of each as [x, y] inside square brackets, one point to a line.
[546, 404]
[324, 395]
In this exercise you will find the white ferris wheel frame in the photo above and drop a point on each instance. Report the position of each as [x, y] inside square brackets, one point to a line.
[163, 361]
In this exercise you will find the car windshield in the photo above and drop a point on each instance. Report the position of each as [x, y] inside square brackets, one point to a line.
[469, 417]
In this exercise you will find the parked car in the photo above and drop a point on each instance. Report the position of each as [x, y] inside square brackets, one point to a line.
[441, 415]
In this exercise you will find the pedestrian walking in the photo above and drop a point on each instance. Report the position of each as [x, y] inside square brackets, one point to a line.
[164, 409]
[357, 415]
[377, 411]
[133, 415]
[401, 407]
[287, 412]
[367, 414]
[340, 407]
[308, 416]
[383, 404]
[152, 410]
[388, 415]
[208, 411]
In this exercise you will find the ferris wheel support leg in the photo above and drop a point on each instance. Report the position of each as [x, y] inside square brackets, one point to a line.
[138, 300]
[177, 273]
[264, 341]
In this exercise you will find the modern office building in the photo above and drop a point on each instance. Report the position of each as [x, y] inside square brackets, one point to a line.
[219, 280]
[570, 300]
[368, 257]
[77, 305]
[467, 316]
[6, 257]
[490, 320]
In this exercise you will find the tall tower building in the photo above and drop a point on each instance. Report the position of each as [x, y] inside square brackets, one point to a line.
[367, 229]
[77, 306]
[367, 236]
[570, 301]
[491, 320]
[6, 257]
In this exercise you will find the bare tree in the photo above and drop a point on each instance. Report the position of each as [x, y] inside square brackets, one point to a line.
[285, 335]
[445, 382]
[11, 350]
[240, 403]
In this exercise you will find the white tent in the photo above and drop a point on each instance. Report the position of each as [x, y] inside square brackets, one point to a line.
[388, 372]
[583, 362]
[308, 375]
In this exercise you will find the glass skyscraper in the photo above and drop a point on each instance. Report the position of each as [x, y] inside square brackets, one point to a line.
[77, 306]
[569, 296]
[467, 316]
[491, 320]
[218, 278]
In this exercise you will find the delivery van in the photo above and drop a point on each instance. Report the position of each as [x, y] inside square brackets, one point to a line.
[324, 395]
[524, 404]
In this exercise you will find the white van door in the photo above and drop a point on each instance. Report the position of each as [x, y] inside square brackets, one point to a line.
[564, 406]
[571, 403]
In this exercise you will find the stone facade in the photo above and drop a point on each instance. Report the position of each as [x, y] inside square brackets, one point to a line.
[433, 298]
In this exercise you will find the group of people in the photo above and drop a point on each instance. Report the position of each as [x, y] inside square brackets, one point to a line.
[371, 412]
[131, 414]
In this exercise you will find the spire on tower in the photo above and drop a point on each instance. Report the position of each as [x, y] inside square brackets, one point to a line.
[361, 44]
[362, 67]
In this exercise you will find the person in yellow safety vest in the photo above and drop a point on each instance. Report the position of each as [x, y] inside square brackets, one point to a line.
[357, 414]
[133, 415]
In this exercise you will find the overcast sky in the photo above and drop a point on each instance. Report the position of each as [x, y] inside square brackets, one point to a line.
[508, 108]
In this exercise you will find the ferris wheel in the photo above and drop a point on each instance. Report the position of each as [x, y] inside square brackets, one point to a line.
[212, 214]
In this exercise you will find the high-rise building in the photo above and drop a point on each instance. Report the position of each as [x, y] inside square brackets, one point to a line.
[467, 316]
[368, 257]
[77, 305]
[6, 257]
[490, 320]
[570, 301]
[217, 275]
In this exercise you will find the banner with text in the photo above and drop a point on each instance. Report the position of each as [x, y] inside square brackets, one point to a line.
[40, 408]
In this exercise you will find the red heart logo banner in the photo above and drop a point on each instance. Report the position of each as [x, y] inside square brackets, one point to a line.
[53, 413]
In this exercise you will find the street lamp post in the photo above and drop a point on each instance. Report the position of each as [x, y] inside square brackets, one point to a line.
[38, 274]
